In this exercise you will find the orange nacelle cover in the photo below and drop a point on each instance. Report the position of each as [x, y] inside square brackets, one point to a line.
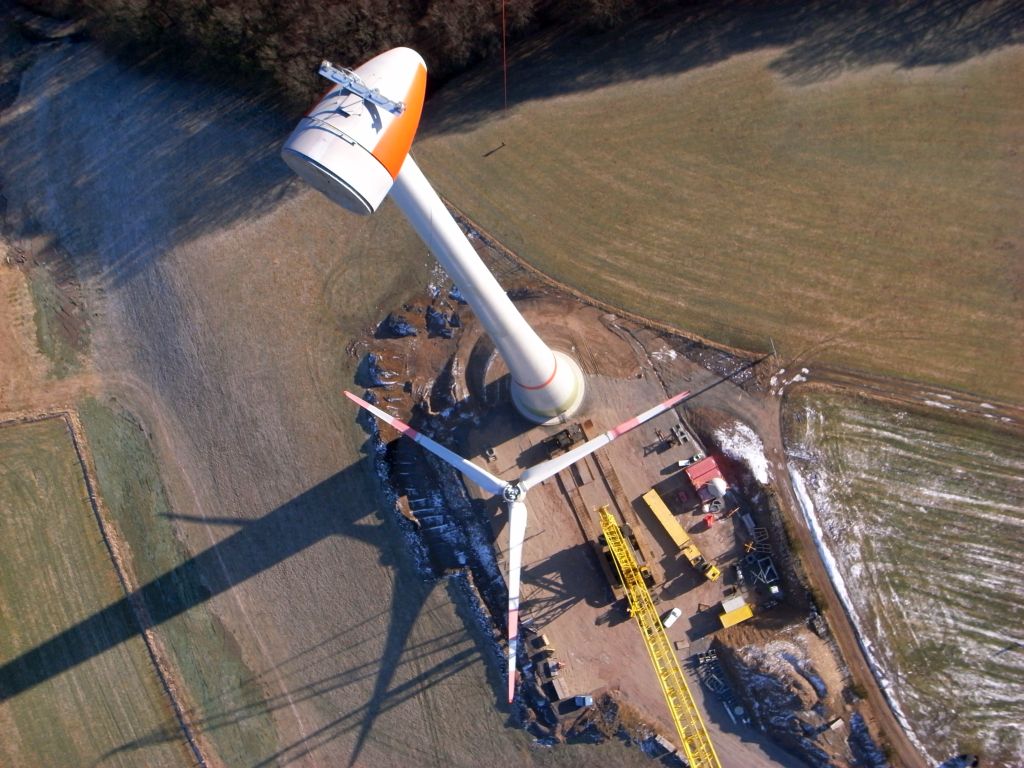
[351, 146]
[394, 145]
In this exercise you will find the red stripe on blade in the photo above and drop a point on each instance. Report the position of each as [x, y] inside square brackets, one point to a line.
[387, 418]
[623, 428]
[513, 644]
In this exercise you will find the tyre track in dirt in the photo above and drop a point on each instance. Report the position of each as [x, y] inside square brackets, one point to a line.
[908, 393]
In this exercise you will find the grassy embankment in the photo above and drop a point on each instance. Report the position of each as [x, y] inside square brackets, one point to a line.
[923, 514]
[869, 221]
[62, 332]
[55, 571]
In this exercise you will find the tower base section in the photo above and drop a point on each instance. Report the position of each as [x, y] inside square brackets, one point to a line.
[558, 399]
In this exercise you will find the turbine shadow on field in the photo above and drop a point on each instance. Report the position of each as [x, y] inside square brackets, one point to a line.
[119, 164]
[357, 718]
[818, 40]
[322, 512]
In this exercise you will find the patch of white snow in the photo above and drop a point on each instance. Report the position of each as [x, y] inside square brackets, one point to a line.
[829, 561]
[740, 442]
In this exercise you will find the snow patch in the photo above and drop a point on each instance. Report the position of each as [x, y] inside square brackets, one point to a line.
[828, 558]
[740, 442]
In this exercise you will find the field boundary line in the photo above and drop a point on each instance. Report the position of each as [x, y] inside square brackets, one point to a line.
[69, 416]
[493, 242]
[888, 388]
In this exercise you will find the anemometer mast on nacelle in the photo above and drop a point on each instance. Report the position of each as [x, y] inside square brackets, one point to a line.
[353, 146]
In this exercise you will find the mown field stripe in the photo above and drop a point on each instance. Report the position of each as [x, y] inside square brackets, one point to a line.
[138, 612]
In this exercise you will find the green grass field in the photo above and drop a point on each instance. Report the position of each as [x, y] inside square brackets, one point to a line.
[224, 700]
[55, 572]
[922, 513]
[871, 220]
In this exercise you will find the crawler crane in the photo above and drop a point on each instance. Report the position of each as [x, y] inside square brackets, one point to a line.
[689, 725]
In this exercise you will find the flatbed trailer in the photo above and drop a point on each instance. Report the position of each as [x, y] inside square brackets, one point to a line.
[668, 521]
[679, 536]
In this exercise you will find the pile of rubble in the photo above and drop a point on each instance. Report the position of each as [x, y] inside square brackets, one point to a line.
[791, 702]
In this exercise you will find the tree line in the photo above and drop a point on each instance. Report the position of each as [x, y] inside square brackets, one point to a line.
[279, 43]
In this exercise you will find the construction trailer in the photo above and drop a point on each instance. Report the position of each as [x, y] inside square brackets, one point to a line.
[666, 518]
[680, 537]
[735, 611]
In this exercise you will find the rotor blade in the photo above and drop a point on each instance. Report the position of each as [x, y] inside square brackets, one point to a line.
[477, 474]
[516, 534]
[551, 467]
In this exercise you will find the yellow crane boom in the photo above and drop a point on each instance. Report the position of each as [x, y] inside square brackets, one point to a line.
[689, 725]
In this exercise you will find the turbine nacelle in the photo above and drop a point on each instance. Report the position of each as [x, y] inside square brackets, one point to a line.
[352, 144]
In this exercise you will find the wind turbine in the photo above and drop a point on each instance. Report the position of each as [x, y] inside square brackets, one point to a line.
[514, 494]
[353, 146]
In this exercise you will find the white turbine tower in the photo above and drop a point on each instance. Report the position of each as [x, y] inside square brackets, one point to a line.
[514, 495]
[354, 147]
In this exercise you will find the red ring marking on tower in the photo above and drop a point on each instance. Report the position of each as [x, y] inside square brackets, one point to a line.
[550, 378]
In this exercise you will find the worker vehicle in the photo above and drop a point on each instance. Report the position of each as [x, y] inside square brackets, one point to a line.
[671, 617]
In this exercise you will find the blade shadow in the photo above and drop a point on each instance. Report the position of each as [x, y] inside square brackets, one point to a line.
[257, 546]
[323, 511]
[398, 656]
